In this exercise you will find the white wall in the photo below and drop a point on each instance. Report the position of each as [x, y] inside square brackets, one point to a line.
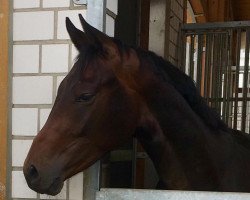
[42, 56]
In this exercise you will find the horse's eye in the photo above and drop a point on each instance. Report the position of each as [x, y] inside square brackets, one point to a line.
[86, 97]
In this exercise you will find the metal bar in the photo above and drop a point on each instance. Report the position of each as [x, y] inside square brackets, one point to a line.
[216, 25]
[230, 87]
[238, 47]
[245, 81]
[182, 57]
[207, 56]
[199, 62]
[191, 58]
[231, 99]
[209, 66]
[211, 70]
[220, 59]
[214, 71]
[96, 17]
[224, 111]
[216, 75]
[187, 54]
[134, 159]
[218, 63]
[208, 32]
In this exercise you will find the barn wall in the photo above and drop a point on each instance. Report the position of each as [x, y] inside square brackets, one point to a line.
[42, 56]
[166, 18]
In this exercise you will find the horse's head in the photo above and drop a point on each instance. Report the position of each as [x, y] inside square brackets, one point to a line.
[95, 111]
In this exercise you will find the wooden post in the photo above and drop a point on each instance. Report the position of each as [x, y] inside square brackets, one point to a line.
[4, 27]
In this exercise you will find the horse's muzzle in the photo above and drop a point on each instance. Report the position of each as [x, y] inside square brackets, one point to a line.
[49, 185]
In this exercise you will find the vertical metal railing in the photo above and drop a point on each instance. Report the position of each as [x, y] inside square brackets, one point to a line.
[217, 58]
[237, 69]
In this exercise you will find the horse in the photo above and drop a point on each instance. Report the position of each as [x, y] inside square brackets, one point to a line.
[115, 92]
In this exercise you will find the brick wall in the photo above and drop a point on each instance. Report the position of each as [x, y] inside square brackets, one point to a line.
[166, 17]
[176, 19]
[42, 56]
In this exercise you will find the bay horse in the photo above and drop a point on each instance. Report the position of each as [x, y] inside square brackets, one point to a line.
[115, 92]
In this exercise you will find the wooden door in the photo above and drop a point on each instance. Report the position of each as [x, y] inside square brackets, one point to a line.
[4, 33]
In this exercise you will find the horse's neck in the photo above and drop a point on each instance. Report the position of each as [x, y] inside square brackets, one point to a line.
[165, 160]
[177, 141]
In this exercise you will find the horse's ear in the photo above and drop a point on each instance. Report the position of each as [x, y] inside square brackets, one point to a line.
[94, 34]
[78, 37]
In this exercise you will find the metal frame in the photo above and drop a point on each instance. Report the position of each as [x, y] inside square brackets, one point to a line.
[216, 77]
[216, 25]
[96, 16]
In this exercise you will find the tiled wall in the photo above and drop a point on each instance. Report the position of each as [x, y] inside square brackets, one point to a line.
[176, 19]
[42, 56]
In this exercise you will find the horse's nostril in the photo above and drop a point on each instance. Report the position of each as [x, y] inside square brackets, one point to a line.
[33, 173]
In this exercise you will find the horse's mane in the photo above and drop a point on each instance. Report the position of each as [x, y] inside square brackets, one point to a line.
[185, 86]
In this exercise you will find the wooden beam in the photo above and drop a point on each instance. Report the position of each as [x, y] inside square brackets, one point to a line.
[219, 10]
[199, 9]
[212, 10]
[4, 42]
[144, 23]
[215, 10]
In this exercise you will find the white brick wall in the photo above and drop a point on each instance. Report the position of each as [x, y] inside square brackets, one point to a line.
[26, 4]
[20, 188]
[24, 121]
[56, 3]
[42, 56]
[20, 149]
[73, 15]
[33, 25]
[59, 80]
[55, 58]
[25, 59]
[61, 195]
[44, 114]
[32, 90]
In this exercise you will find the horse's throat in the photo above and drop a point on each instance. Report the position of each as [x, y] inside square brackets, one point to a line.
[167, 165]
